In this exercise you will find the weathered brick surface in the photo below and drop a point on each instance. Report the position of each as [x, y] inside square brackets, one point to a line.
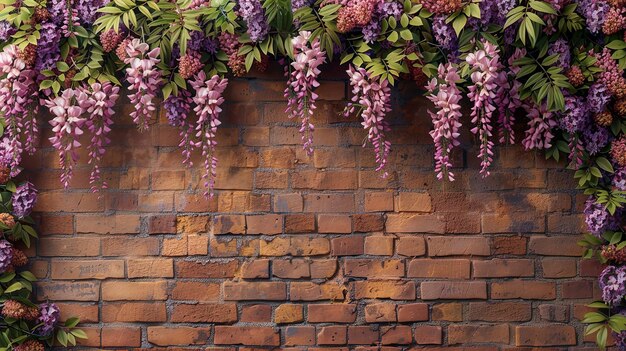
[319, 253]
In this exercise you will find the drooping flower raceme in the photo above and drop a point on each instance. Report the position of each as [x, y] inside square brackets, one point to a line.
[540, 123]
[23, 200]
[444, 34]
[48, 47]
[611, 75]
[446, 97]
[99, 106]
[208, 100]
[18, 103]
[177, 108]
[49, 315]
[300, 91]
[508, 98]
[382, 10]
[613, 284]
[561, 47]
[67, 125]
[252, 13]
[485, 65]
[371, 98]
[144, 79]
[356, 13]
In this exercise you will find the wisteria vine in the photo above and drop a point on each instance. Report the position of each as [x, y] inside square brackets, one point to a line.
[546, 74]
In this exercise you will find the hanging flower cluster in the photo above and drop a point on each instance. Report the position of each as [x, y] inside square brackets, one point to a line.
[208, 100]
[300, 91]
[144, 79]
[485, 65]
[372, 96]
[446, 97]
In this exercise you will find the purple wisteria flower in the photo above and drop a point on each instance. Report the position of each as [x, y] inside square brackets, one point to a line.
[6, 30]
[598, 97]
[177, 108]
[298, 4]
[6, 255]
[612, 284]
[444, 33]
[382, 10]
[24, 199]
[576, 116]
[594, 12]
[252, 13]
[595, 139]
[619, 179]
[86, 10]
[58, 11]
[598, 218]
[48, 49]
[200, 42]
[562, 48]
[49, 315]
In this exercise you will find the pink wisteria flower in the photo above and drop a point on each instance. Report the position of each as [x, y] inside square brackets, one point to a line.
[18, 103]
[541, 121]
[485, 65]
[99, 106]
[208, 100]
[144, 78]
[446, 96]
[302, 82]
[67, 127]
[371, 96]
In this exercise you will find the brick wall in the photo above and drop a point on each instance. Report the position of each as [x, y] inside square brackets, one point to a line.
[313, 252]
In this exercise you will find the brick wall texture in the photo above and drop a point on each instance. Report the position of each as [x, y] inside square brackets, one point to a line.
[313, 253]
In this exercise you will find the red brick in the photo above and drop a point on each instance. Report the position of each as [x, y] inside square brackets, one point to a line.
[299, 223]
[288, 313]
[500, 268]
[72, 247]
[150, 268]
[256, 269]
[457, 245]
[559, 267]
[379, 245]
[396, 335]
[275, 291]
[134, 312]
[332, 335]
[204, 313]
[500, 311]
[347, 246]
[288, 203]
[554, 246]
[291, 269]
[412, 312]
[378, 201]
[364, 268]
[117, 224]
[329, 313]
[189, 269]
[228, 224]
[256, 314]
[120, 337]
[196, 291]
[363, 335]
[68, 291]
[334, 224]
[261, 336]
[93, 269]
[264, 224]
[299, 336]
[414, 223]
[428, 335]
[413, 202]
[308, 291]
[440, 268]
[459, 334]
[395, 290]
[523, 289]
[380, 312]
[411, 246]
[453, 290]
[579, 289]
[168, 336]
[113, 290]
[545, 335]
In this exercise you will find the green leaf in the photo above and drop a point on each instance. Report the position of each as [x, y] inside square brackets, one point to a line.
[72, 322]
[14, 287]
[603, 163]
[79, 334]
[459, 23]
[542, 7]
